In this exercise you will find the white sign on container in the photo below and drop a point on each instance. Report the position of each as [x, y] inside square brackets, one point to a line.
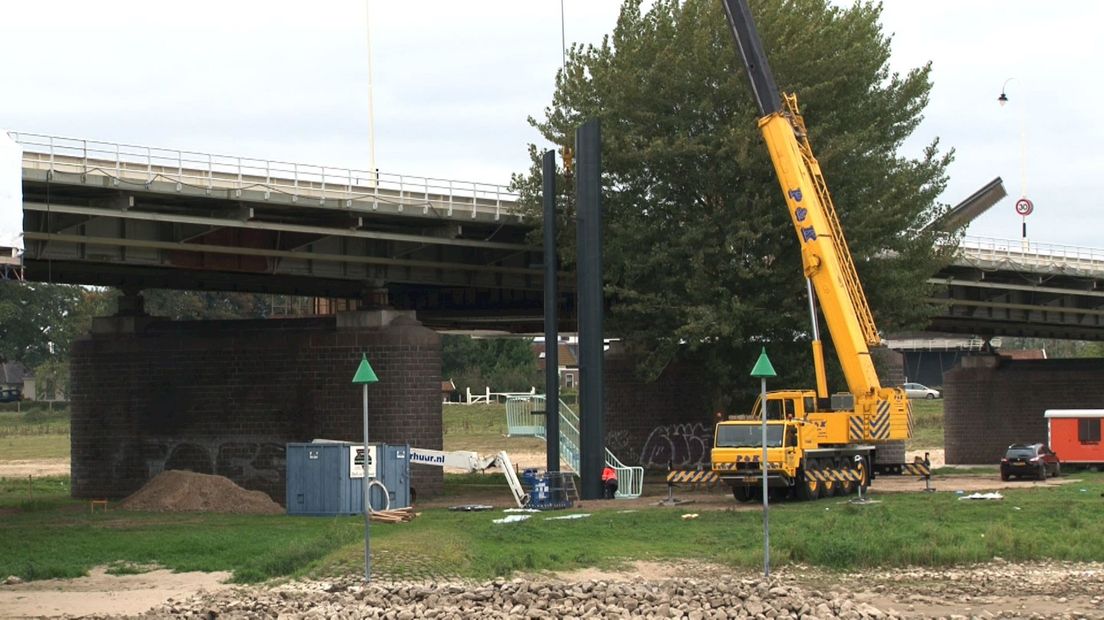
[356, 461]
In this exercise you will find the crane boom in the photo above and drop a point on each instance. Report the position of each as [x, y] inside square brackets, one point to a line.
[824, 252]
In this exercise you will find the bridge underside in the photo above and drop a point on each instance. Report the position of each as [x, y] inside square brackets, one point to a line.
[470, 270]
[996, 300]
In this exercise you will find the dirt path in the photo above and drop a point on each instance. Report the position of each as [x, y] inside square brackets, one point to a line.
[103, 594]
[37, 468]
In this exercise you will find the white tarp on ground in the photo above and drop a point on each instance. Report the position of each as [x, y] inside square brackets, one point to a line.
[11, 193]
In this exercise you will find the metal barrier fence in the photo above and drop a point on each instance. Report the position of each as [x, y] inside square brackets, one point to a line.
[522, 422]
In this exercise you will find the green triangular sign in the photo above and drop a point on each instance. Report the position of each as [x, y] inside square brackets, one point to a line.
[763, 367]
[365, 374]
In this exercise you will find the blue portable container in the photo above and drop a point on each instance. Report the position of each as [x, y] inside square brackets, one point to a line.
[324, 478]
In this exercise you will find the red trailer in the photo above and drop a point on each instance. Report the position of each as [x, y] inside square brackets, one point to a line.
[1074, 434]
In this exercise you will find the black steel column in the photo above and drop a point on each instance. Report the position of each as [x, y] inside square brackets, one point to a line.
[551, 330]
[588, 192]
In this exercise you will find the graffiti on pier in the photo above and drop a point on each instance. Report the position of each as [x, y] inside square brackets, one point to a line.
[681, 445]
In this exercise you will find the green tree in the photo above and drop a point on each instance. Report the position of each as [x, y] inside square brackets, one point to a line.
[700, 255]
[504, 364]
[39, 321]
[198, 305]
[33, 320]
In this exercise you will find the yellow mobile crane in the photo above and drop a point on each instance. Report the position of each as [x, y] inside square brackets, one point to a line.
[816, 445]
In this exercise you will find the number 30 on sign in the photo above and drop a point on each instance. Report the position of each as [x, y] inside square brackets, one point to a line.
[1024, 207]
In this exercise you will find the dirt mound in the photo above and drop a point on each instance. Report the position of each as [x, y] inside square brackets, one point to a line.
[177, 490]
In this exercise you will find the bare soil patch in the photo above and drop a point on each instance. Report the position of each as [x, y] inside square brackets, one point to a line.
[186, 491]
[36, 467]
[102, 594]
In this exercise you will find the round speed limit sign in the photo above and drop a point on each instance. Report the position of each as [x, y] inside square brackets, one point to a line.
[1024, 207]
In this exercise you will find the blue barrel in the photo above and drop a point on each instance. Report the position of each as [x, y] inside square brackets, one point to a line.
[529, 478]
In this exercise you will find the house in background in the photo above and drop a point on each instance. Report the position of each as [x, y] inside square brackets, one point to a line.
[449, 393]
[16, 379]
[567, 358]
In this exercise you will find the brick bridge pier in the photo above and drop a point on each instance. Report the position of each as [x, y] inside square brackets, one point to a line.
[224, 397]
[993, 401]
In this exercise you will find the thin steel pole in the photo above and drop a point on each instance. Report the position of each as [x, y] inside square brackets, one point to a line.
[766, 502]
[367, 502]
[371, 105]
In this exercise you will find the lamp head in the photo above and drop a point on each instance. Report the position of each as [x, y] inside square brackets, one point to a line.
[1003, 99]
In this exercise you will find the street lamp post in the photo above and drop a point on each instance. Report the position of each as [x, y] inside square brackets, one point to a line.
[365, 375]
[764, 369]
[1024, 207]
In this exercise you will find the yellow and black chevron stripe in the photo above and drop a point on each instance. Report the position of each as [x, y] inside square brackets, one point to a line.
[692, 477]
[834, 475]
[879, 428]
[911, 427]
[855, 428]
[916, 469]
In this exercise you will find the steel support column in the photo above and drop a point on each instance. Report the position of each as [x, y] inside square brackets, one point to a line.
[588, 188]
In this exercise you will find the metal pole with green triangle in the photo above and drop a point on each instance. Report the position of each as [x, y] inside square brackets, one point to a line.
[365, 375]
[764, 369]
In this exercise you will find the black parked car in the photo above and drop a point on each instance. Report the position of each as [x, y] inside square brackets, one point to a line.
[1035, 460]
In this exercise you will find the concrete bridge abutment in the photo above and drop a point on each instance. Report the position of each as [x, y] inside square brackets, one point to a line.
[224, 397]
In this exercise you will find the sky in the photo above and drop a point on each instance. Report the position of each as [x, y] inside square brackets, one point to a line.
[453, 83]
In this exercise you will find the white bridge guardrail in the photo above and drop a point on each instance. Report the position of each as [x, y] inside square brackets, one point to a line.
[520, 421]
[134, 164]
[1030, 255]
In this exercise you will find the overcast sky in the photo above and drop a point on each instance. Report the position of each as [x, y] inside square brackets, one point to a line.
[454, 83]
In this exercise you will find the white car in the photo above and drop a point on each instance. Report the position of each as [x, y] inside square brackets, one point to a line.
[915, 390]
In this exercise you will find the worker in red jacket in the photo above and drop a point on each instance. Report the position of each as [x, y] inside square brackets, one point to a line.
[609, 482]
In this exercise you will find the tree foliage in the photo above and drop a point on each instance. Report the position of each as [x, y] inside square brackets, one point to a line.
[503, 364]
[39, 321]
[700, 255]
[199, 305]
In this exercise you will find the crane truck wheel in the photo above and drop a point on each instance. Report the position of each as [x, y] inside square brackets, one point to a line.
[847, 487]
[808, 488]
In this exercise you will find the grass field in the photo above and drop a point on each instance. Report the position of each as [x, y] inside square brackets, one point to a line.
[927, 416]
[53, 536]
[482, 428]
[33, 434]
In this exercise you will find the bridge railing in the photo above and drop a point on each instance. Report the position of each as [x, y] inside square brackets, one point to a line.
[1031, 253]
[347, 187]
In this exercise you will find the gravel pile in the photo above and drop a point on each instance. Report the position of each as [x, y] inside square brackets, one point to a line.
[177, 490]
[693, 599]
